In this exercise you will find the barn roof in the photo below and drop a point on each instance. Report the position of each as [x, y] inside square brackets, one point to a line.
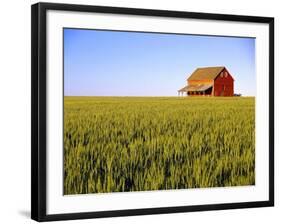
[206, 73]
[198, 87]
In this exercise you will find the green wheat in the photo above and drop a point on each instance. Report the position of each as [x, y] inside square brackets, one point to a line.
[117, 144]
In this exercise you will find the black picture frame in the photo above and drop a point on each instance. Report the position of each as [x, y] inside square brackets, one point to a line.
[39, 122]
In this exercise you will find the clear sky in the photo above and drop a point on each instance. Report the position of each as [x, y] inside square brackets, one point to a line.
[111, 63]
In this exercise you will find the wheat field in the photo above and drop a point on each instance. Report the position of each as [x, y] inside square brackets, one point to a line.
[118, 144]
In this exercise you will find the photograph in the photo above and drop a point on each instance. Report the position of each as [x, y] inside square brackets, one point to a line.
[148, 111]
[139, 111]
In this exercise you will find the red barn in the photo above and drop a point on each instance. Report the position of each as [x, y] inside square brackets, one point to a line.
[209, 81]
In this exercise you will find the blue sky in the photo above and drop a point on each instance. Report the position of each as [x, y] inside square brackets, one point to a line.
[111, 63]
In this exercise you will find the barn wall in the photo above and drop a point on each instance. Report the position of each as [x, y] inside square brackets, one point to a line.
[195, 82]
[224, 84]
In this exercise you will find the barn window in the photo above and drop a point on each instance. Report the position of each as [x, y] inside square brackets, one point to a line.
[221, 74]
[225, 74]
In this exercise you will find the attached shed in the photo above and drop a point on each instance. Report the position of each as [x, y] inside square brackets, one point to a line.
[209, 81]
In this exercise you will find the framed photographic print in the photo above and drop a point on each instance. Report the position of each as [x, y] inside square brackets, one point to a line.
[140, 111]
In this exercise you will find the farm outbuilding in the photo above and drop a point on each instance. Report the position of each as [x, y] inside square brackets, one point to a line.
[209, 81]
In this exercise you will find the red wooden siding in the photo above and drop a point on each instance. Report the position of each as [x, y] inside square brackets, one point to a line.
[223, 84]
